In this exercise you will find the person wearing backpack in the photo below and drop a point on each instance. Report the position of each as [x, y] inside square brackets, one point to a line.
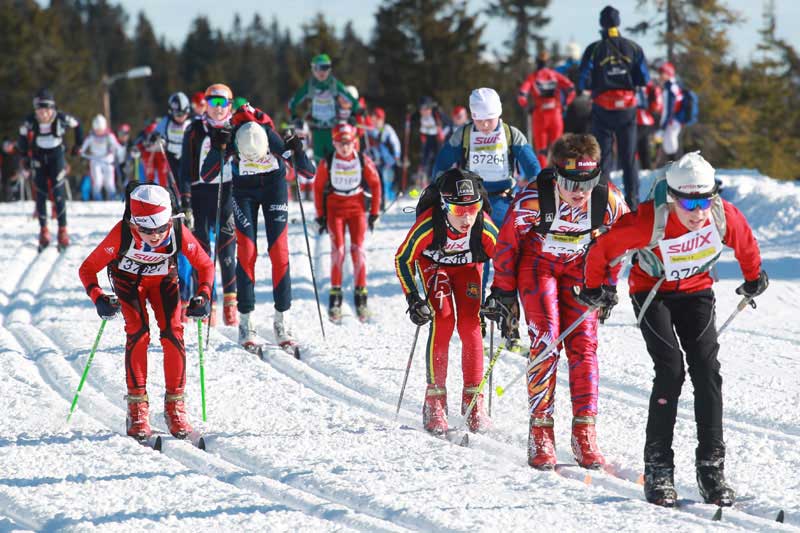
[140, 252]
[649, 107]
[449, 242]
[341, 185]
[670, 124]
[494, 151]
[678, 235]
[612, 68]
[541, 250]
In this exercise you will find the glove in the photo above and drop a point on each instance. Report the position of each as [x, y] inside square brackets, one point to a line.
[502, 307]
[418, 310]
[751, 289]
[135, 153]
[155, 138]
[371, 220]
[188, 218]
[75, 150]
[322, 222]
[199, 307]
[221, 137]
[294, 143]
[107, 306]
[604, 297]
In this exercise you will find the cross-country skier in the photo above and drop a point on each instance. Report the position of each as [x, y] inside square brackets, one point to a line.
[171, 129]
[339, 197]
[541, 251]
[101, 148]
[451, 239]
[385, 151]
[207, 153]
[140, 253]
[41, 142]
[259, 181]
[679, 235]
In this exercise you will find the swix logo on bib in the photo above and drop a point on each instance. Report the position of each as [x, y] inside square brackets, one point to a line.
[147, 262]
[488, 155]
[455, 252]
[263, 165]
[205, 148]
[691, 253]
[323, 106]
[346, 176]
[570, 238]
[175, 137]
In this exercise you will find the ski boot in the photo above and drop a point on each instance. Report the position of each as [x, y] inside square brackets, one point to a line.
[63, 238]
[44, 238]
[434, 410]
[659, 471]
[584, 443]
[711, 481]
[283, 336]
[541, 444]
[247, 333]
[360, 299]
[478, 420]
[175, 416]
[335, 305]
[513, 344]
[229, 309]
[138, 420]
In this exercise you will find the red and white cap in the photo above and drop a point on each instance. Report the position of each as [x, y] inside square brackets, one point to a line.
[151, 206]
[343, 132]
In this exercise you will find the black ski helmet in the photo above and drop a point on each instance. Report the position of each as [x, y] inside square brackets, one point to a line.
[460, 187]
[44, 98]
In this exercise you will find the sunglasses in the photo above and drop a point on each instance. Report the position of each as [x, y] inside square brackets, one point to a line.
[572, 185]
[45, 105]
[217, 101]
[153, 231]
[459, 210]
[690, 204]
[322, 68]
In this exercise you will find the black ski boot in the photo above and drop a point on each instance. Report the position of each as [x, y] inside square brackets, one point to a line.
[711, 481]
[335, 305]
[659, 471]
[360, 299]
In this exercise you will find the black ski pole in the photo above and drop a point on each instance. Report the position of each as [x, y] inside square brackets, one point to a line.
[216, 237]
[308, 246]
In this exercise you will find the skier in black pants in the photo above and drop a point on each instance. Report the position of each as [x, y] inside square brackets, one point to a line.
[41, 140]
[259, 181]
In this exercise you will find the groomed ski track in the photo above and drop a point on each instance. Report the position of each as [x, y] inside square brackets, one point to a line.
[313, 445]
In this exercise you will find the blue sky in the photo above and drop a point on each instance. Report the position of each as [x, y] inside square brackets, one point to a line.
[570, 19]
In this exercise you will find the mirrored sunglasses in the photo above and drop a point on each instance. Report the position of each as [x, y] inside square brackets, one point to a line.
[573, 185]
[322, 68]
[459, 210]
[153, 231]
[217, 101]
[690, 204]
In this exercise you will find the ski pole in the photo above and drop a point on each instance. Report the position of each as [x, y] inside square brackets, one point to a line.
[487, 375]
[406, 140]
[308, 246]
[202, 367]
[549, 348]
[86, 369]
[744, 302]
[216, 235]
[491, 350]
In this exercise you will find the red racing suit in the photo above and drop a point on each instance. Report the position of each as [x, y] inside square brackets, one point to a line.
[452, 278]
[544, 268]
[546, 88]
[154, 160]
[339, 196]
[155, 280]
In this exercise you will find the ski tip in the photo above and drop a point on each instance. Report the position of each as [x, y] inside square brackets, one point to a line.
[201, 443]
[464, 441]
[718, 515]
[297, 352]
[156, 445]
[640, 480]
[781, 516]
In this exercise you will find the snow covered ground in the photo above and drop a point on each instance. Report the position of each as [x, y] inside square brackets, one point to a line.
[312, 445]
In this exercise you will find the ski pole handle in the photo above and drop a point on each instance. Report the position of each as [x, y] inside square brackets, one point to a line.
[86, 368]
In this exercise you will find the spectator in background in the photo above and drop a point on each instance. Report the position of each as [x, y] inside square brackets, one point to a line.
[11, 172]
[649, 106]
[670, 125]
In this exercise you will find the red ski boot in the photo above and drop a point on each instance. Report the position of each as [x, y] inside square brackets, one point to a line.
[541, 444]
[63, 238]
[229, 313]
[44, 238]
[584, 443]
[137, 421]
[434, 411]
[477, 420]
[175, 416]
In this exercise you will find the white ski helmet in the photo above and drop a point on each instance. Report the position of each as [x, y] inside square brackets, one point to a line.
[484, 104]
[179, 104]
[352, 90]
[151, 206]
[573, 50]
[99, 123]
[691, 175]
[251, 141]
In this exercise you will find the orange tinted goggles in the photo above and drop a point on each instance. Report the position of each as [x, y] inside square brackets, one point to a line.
[459, 210]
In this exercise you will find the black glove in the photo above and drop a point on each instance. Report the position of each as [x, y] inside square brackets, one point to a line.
[371, 220]
[293, 143]
[418, 310]
[605, 297]
[753, 288]
[221, 137]
[154, 138]
[107, 306]
[199, 307]
[322, 223]
[502, 307]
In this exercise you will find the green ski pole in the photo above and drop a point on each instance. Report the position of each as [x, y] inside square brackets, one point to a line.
[86, 370]
[202, 367]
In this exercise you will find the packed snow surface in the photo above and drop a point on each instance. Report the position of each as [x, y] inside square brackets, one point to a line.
[313, 445]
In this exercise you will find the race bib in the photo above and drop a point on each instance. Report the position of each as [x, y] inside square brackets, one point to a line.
[346, 176]
[205, 148]
[175, 138]
[427, 125]
[147, 263]
[561, 242]
[323, 106]
[488, 155]
[691, 253]
[264, 165]
[129, 265]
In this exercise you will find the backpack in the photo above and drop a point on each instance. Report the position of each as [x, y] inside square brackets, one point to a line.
[690, 107]
[545, 183]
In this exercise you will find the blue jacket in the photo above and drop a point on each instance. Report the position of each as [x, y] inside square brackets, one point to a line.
[612, 63]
